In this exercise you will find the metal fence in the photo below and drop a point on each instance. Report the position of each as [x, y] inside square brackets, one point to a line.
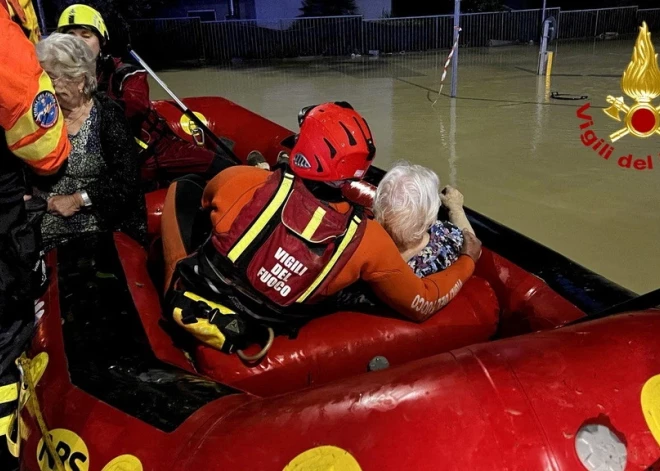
[581, 24]
[407, 34]
[651, 16]
[180, 40]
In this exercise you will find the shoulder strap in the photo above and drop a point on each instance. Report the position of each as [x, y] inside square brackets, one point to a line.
[256, 231]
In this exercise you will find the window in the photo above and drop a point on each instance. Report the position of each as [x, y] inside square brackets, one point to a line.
[203, 15]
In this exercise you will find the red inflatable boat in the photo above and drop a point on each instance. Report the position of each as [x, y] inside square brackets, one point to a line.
[496, 380]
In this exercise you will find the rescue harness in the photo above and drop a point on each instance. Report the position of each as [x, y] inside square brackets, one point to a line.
[262, 276]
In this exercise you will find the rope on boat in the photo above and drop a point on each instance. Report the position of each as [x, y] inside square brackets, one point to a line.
[262, 353]
[23, 364]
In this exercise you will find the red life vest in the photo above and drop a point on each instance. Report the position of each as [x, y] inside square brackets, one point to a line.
[288, 244]
[278, 256]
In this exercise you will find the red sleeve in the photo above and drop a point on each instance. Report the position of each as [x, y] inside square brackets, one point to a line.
[378, 262]
[135, 94]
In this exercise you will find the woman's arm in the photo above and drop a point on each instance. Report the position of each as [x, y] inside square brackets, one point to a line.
[452, 199]
[378, 263]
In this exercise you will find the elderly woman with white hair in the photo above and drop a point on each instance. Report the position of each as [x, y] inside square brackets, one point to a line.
[98, 190]
[407, 204]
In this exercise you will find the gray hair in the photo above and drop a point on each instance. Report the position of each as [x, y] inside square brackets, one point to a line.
[407, 202]
[68, 56]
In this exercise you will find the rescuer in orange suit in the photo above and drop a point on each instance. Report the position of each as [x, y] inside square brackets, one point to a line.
[164, 154]
[32, 132]
[282, 241]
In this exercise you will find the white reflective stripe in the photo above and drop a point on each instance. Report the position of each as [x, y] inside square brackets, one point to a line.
[121, 84]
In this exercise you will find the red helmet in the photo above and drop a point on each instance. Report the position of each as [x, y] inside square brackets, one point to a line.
[335, 143]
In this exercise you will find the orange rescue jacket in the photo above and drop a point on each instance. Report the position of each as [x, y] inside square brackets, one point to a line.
[29, 113]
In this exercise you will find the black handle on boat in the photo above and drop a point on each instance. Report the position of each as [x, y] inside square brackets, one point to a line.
[645, 301]
[184, 108]
[639, 303]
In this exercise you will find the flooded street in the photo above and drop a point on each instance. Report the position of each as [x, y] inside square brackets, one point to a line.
[515, 154]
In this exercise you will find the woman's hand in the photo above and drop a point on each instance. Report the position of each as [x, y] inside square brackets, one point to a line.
[471, 246]
[65, 205]
[451, 198]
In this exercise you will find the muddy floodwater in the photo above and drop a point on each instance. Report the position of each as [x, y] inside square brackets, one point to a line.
[518, 156]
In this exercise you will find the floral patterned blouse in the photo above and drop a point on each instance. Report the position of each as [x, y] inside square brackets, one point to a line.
[443, 249]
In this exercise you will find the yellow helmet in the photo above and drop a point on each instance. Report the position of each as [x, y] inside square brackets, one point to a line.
[83, 16]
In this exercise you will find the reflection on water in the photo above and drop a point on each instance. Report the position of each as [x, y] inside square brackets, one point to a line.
[515, 153]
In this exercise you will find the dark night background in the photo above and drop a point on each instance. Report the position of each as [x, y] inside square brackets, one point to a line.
[421, 8]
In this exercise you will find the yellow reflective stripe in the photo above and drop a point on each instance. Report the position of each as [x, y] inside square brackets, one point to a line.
[8, 393]
[141, 143]
[352, 229]
[263, 219]
[25, 125]
[314, 223]
[43, 146]
[219, 307]
[5, 422]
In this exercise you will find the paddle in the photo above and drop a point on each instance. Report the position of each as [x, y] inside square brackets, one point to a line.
[185, 109]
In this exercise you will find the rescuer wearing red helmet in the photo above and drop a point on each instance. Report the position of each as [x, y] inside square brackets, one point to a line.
[32, 132]
[282, 241]
[164, 154]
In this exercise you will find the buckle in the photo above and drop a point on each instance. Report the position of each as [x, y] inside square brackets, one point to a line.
[205, 311]
[197, 134]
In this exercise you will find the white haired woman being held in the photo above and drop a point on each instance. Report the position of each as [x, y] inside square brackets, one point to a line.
[98, 189]
[407, 203]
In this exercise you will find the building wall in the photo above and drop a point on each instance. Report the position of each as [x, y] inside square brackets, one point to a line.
[274, 9]
[221, 7]
[371, 9]
[181, 9]
[266, 9]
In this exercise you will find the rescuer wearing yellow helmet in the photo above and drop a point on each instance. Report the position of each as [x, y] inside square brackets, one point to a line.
[165, 155]
[87, 23]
